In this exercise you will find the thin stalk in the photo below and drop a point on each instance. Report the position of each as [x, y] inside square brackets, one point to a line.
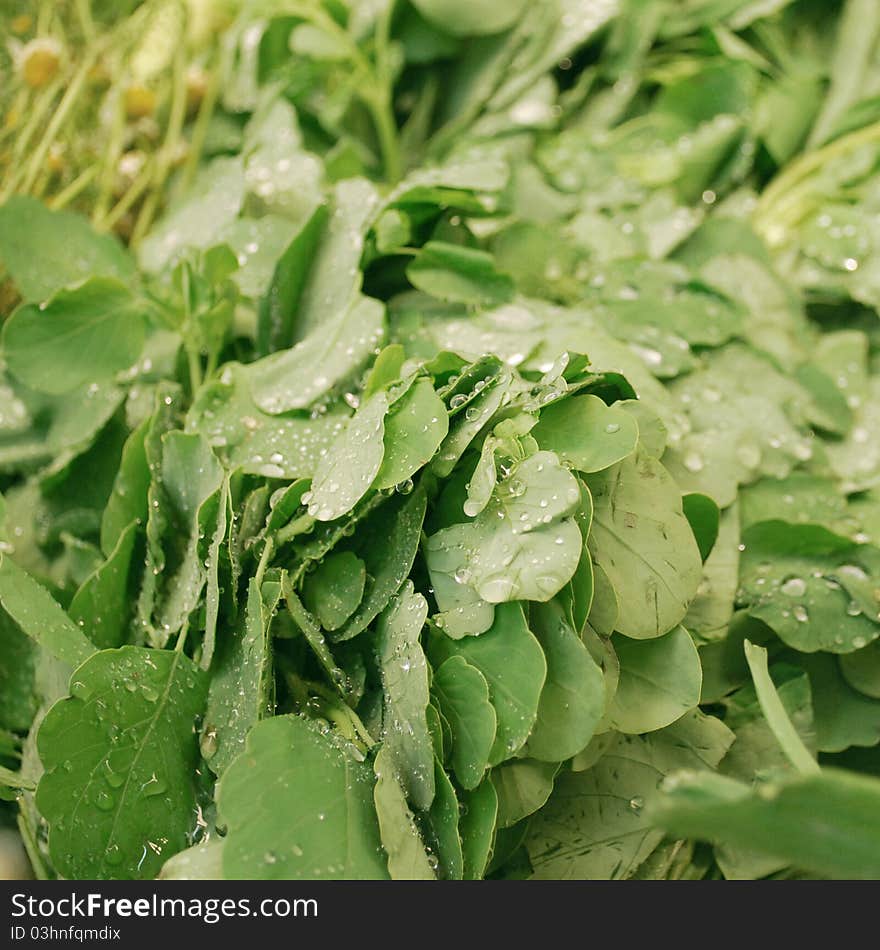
[200, 128]
[84, 15]
[265, 559]
[136, 189]
[804, 166]
[36, 118]
[71, 191]
[32, 849]
[57, 120]
[111, 159]
[176, 116]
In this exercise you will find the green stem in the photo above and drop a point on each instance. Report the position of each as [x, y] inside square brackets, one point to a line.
[265, 559]
[797, 171]
[136, 189]
[200, 128]
[66, 195]
[36, 118]
[380, 109]
[68, 99]
[32, 849]
[176, 116]
[111, 159]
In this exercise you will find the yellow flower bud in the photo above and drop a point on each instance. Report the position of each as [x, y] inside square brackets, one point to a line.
[140, 101]
[40, 61]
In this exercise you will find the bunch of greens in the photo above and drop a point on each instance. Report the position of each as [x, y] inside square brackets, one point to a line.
[486, 436]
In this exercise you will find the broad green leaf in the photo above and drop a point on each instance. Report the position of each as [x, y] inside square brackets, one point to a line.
[334, 589]
[660, 681]
[274, 446]
[523, 545]
[573, 698]
[119, 790]
[241, 692]
[644, 544]
[40, 616]
[462, 694]
[404, 674]
[459, 274]
[290, 767]
[822, 823]
[103, 604]
[595, 826]
[513, 664]
[200, 217]
[522, 786]
[100, 317]
[407, 860]
[298, 377]
[476, 827]
[710, 612]
[813, 587]
[844, 716]
[585, 433]
[415, 426]
[45, 250]
[348, 469]
[128, 500]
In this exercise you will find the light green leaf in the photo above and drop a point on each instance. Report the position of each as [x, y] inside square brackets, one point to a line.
[45, 250]
[585, 433]
[330, 831]
[477, 828]
[523, 786]
[462, 695]
[512, 661]
[573, 698]
[407, 860]
[404, 674]
[100, 317]
[348, 469]
[660, 681]
[119, 790]
[644, 544]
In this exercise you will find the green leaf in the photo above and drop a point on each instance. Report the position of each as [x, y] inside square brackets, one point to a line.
[573, 698]
[415, 426]
[513, 664]
[462, 18]
[404, 674]
[822, 823]
[443, 819]
[120, 754]
[330, 831]
[585, 433]
[242, 689]
[200, 217]
[407, 860]
[844, 716]
[40, 616]
[459, 274]
[348, 469]
[522, 786]
[298, 377]
[462, 694]
[387, 542]
[660, 681]
[44, 251]
[595, 826]
[100, 317]
[813, 587]
[19, 699]
[645, 545]
[477, 828]
[334, 589]
[862, 669]
[103, 604]
[703, 516]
